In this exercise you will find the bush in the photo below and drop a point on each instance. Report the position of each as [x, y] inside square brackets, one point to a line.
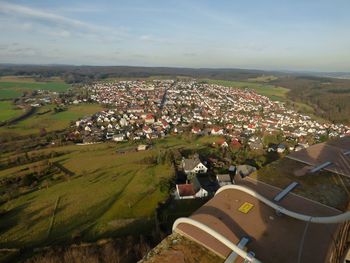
[28, 180]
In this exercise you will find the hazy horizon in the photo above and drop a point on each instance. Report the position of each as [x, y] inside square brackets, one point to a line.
[269, 35]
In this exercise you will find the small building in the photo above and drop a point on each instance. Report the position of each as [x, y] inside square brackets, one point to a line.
[149, 119]
[195, 130]
[245, 170]
[185, 191]
[204, 185]
[216, 131]
[281, 148]
[229, 126]
[222, 143]
[147, 129]
[224, 179]
[272, 147]
[232, 169]
[118, 137]
[142, 147]
[193, 165]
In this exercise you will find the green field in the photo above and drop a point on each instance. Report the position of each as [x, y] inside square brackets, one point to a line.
[272, 92]
[51, 121]
[12, 87]
[263, 78]
[9, 93]
[108, 192]
[8, 111]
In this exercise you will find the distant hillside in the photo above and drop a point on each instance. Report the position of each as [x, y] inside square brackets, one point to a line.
[329, 97]
[73, 74]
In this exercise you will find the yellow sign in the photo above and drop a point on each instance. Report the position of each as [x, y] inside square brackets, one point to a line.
[245, 208]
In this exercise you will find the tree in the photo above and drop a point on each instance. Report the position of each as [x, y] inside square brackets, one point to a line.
[28, 180]
[42, 132]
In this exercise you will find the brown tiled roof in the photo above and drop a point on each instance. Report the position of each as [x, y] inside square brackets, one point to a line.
[331, 151]
[186, 189]
[273, 238]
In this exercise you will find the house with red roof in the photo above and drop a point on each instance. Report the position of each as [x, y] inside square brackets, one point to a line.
[195, 130]
[185, 191]
[149, 119]
[146, 129]
[235, 144]
[217, 131]
[229, 126]
[165, 124]
[222, 143]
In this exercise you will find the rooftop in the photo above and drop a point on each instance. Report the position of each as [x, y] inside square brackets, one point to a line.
[273, 238]
[331, 151]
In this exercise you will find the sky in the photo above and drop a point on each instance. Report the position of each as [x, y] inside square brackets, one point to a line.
[259, 34]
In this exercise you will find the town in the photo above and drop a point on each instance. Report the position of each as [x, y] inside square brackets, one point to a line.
[148, 110]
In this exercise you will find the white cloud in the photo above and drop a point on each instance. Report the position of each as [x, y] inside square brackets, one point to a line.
[28, 12]
[52, 20]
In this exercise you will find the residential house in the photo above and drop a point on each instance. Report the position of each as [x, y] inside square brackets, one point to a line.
[224, 179]
[204, 185]
[149, 119]
[142, 147]
[193, 165]
[232, 169]
[118, 137]
[281, 148]
[216, 131]
[195, 130]
[245, 170]
[147, 129]
[185, 191]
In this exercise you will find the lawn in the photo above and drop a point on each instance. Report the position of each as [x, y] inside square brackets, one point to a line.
[12, 86]
[8, 111]
[272, 92]
[50, 120]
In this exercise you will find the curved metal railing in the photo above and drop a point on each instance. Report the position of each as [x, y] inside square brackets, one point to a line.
[310, 219]
[216, 235]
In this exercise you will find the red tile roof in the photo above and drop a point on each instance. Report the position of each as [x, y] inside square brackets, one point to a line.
[186, 189]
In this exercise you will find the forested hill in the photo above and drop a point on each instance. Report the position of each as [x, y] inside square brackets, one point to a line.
[74, 74]
[329, 97]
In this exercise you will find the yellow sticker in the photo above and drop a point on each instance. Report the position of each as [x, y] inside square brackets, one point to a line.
[245, 208]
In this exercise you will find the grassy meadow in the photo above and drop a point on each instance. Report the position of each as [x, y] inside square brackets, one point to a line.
[8, 111]
[14, 86]
[45, 117]
[108, 192]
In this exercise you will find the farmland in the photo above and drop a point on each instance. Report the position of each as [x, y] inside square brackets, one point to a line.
[48, 119]
[107, 192]
[13, 87]
[8, 111]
